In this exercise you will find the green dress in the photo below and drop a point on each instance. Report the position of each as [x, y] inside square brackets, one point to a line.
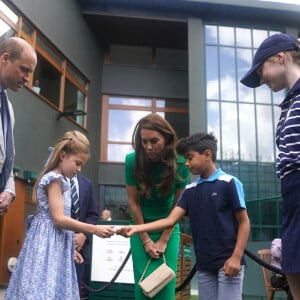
[154, 209]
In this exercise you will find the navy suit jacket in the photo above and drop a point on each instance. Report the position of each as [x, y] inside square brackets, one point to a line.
[10, 182]
[88, 212]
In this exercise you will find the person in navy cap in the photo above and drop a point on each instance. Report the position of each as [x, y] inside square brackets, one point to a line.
[277, 64]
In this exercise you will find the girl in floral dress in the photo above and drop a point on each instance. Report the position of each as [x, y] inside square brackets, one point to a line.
[45, 268]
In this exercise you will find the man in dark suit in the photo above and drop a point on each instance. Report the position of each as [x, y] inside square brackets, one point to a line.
[87, 214]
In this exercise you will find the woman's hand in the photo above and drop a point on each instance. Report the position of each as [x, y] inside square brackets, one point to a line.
[104, 231]
[151, 249]
[161, 247]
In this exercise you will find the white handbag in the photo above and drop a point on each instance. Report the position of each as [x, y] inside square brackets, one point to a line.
[157, 280]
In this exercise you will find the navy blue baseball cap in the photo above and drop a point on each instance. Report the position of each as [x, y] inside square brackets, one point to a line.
[269, 47]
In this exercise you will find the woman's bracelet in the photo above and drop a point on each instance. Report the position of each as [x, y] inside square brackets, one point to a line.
[146, 242]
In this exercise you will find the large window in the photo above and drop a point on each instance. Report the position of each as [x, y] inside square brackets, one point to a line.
[116, 201]
[55, 79]
[120, 115]
[244, 121]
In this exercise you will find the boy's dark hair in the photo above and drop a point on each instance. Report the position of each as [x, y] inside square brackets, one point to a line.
[198, 142]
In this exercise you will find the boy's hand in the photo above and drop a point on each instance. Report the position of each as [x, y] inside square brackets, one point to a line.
[232, 267]
[126, 231]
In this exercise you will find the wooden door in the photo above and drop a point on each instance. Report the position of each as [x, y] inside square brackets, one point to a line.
[12, 231]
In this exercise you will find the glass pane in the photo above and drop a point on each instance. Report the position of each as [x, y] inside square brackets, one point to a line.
[244, 62]
[247, 132]
[265, 133]
[226, 36]
[27, 29]
[36, 84]
[243, 37]
[263, 94]
[271, 32]
[80, 79]
[213, 120]
[48, 79]
[115, 199]
[276, 112]
[211, 34]
[130, 101]
[227, 74]
[258, 37]
[212, 73]
[9, 13]
[121, 130]
[5, 30]
[161, 103]
[80, 107]
[121, 124]
[229, 122]
[278, 97]
[117, 153]
[74, 101]
[46, 47]
[179, 122]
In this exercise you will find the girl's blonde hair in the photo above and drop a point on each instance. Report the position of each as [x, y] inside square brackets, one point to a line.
[295, 54]
[72, 143]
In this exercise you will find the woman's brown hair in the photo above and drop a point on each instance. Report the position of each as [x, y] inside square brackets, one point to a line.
[143, 166]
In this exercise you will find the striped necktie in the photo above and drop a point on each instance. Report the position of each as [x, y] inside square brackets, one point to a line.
[75, 200]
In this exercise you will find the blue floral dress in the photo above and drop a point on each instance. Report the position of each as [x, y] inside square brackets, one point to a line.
[45, 268]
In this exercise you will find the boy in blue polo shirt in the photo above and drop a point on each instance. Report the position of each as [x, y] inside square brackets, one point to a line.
[219, 222]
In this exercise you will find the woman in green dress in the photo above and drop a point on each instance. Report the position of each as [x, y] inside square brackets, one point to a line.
[155, 178]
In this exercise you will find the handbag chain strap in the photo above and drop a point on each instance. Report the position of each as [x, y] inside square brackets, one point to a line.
[147, 266]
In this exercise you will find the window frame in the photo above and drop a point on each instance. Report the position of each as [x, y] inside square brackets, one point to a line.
[261, 186]
[81, 84]
[105, 113]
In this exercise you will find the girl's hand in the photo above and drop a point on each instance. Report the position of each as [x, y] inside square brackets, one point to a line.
[78, 258]
[104, 231]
